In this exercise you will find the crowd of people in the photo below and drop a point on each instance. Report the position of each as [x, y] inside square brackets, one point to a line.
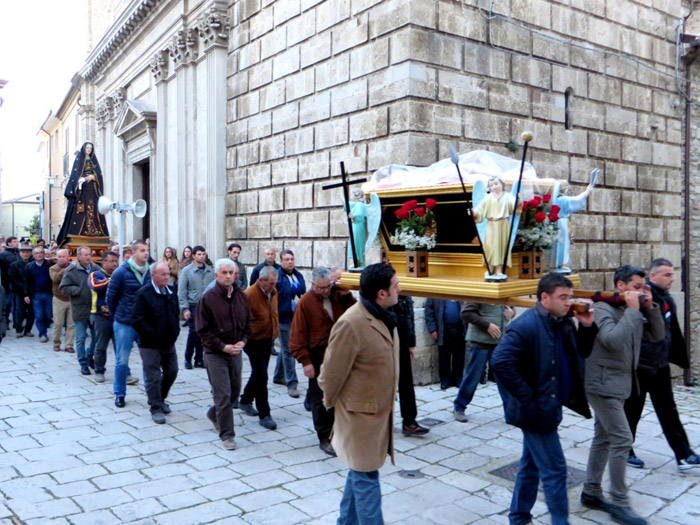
[356, 352]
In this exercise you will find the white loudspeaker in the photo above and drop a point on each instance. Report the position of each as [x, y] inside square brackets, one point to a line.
[104, 205]
[140, 208]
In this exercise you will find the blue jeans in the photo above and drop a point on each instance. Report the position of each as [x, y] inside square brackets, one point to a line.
[84, 354]
[285, 367]
[542, 459]
[43, 312]
[124, 337]
[475, 369]
[362, 500]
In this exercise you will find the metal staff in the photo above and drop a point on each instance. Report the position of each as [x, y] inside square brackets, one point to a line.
[527, 137]
[454, 156]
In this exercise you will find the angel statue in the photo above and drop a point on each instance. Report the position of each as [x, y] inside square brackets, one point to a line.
[559, 255]
[365, 219]
[496, 208]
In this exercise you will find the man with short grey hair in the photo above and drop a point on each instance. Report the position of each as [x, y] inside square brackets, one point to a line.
[223, 324]
[75, 285]
[314, 317]
[155, 317]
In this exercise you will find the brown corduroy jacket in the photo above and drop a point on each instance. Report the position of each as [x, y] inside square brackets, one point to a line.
[56, 273]
[265, 322]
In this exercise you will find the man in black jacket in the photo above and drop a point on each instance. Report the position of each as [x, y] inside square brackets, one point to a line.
[9, 255]
[155, 317]
[536, 369]
[23, 313]
[654, 373]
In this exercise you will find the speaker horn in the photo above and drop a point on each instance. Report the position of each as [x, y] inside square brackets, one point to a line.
[104, 205]
[140, 208]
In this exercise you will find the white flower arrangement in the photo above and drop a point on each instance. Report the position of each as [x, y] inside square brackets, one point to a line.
[539, 238]
[413, 241]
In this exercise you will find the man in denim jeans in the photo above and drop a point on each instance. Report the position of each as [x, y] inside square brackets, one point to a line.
[487, 322]
[290, 288]
[536, 368]
[126, 281]
[75, 285]
[37, 289]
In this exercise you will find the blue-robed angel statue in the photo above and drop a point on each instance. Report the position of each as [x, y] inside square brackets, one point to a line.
[559, 258]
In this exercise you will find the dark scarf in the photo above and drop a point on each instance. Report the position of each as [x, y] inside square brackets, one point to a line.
[385, 316]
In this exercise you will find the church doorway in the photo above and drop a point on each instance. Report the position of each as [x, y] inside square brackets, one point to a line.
[141, 185]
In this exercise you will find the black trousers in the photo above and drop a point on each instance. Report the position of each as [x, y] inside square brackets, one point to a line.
[451, 356]
[258, 353]
[103, 335]
[659, 387]
[160, 371]
[22, 312]
[407, 395]
[194, 343]
[323, 417]
[224, 373]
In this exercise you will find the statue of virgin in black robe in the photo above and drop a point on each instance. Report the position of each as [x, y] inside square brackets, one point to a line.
[84, 188]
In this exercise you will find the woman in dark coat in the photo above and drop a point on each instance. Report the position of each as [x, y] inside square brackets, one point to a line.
[84, 188]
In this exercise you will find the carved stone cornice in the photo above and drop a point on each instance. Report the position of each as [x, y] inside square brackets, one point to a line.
[125, 26]
[214, 27]
[159, 65]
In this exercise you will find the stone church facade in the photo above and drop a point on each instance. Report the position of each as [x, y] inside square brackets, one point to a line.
[244, 110]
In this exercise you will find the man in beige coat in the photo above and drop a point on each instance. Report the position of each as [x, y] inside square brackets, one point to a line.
[359, 377]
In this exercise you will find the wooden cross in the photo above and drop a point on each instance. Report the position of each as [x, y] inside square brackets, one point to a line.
[345, 184]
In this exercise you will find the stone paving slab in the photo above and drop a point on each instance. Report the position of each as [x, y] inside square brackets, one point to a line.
[69, 456]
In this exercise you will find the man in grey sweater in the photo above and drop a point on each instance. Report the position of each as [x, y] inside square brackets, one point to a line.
[191, 284]
[611, 374]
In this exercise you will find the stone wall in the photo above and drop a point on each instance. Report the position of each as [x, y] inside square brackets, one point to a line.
[373, 82]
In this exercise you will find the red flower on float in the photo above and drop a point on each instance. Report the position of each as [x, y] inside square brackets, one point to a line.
[553, 217]
[420, 211]
[555, 209]
[546, 198]
[401, 213]
[430, 203]
[525, 204]
[540, 216]
[410, 205]
[537, 199]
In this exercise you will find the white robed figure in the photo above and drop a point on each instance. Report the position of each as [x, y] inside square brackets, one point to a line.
[496, 208]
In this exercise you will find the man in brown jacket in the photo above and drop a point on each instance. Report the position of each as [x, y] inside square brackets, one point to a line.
[314, 317]
[264, 329]
[359, 377]
[223, 323]
[61, 304]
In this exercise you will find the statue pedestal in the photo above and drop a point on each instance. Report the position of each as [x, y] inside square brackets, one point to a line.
[98, 245]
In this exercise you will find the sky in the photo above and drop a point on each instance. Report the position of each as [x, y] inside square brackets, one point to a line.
[43, 43]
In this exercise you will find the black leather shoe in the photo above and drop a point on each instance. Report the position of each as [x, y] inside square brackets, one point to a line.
[85, 370]
[188, 365]
[307, 405]
[414, 429]
[594, 502]
[327, 448]
[119, 402]
[165, 408]
[91, 362]
[444, 384]
[624, 515]
[199, 365]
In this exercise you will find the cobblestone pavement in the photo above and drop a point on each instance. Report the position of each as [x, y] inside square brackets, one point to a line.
[68, 455]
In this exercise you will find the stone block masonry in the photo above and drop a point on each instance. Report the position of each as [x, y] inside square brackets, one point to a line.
[375, 82]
